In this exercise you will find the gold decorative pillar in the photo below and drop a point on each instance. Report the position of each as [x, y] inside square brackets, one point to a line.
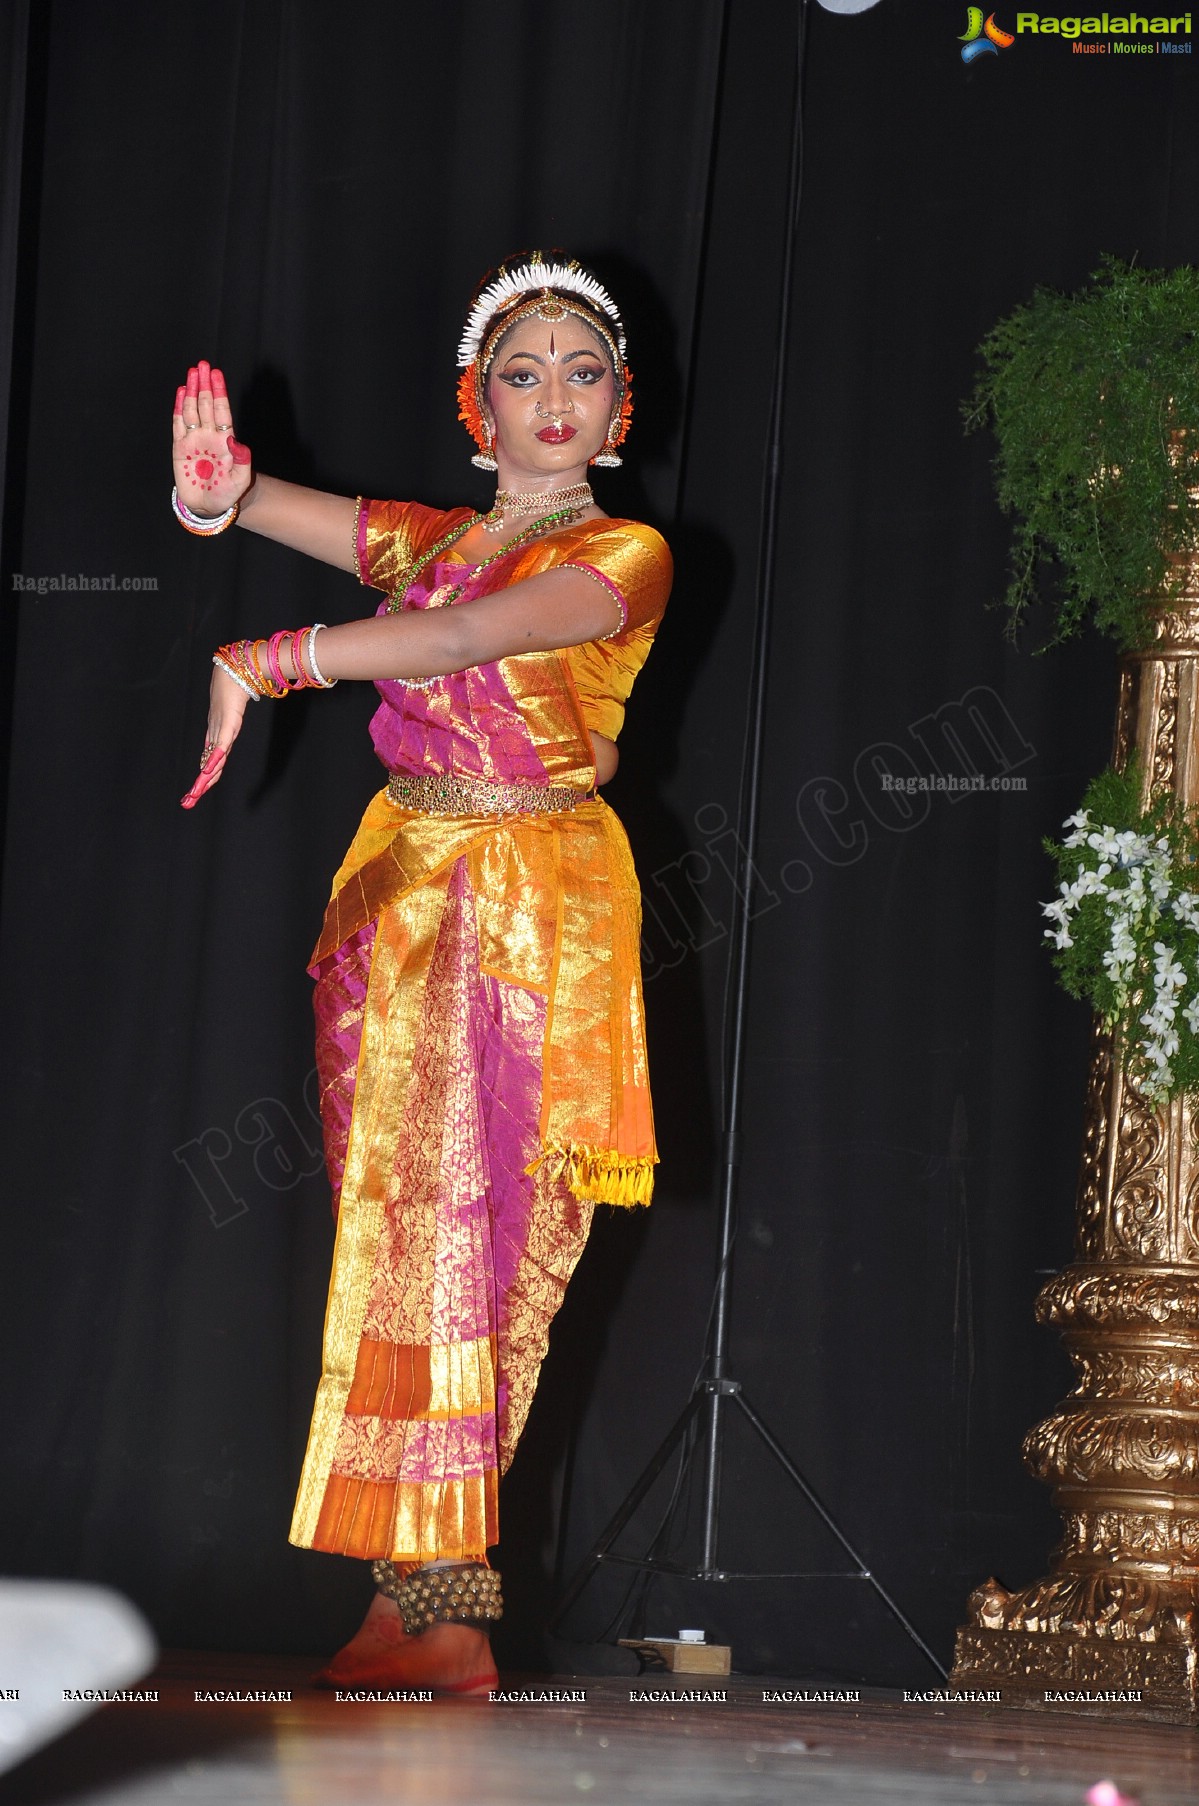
[1117, 1614]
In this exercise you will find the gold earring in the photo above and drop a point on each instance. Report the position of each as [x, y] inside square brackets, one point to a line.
[485, 459]
[609, 458]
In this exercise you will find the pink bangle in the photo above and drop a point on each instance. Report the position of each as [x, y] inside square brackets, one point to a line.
[272, 657]
[269, 686]
[302, 681]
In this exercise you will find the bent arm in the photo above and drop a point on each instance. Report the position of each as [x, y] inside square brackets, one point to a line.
[308, 520]
[558, 608]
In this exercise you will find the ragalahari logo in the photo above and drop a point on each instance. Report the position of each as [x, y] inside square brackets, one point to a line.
[983, 37]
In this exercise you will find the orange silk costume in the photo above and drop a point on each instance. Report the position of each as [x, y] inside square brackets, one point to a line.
[481, 1054]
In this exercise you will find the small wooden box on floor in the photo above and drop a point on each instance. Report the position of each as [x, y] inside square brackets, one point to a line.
[681, 1658]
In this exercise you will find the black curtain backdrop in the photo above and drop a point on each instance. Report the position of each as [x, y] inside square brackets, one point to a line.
[307, 195]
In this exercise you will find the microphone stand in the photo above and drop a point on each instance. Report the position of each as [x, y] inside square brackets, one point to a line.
[717, 1390]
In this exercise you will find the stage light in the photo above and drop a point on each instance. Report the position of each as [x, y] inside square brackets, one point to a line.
[847, 6]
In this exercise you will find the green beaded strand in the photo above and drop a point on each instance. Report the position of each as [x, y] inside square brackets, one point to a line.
[564, 517]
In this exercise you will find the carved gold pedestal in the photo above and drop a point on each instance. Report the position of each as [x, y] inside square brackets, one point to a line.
[1114, 1627]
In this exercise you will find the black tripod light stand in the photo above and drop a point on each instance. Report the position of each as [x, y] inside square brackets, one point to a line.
[701, 1423]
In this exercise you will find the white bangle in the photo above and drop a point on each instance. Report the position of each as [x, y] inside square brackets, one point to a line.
[202, 525]
[323, 682]
[239, 681]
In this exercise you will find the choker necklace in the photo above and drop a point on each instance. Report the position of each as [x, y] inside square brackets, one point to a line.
[519, 504]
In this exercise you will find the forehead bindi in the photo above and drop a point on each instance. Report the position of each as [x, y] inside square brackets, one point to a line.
[564, 342]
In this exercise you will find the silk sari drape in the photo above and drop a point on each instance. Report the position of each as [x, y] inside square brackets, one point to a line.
[483, 1082]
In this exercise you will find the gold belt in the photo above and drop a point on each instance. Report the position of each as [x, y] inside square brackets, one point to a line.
[437, 794]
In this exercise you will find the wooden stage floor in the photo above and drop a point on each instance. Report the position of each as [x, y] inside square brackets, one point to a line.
[742, 1751]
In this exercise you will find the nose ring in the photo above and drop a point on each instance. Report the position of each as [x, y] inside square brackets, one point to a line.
[556, 415]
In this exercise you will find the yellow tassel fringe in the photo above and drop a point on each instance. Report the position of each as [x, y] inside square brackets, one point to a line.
[599, 1174]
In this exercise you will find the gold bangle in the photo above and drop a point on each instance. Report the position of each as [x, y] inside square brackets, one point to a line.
[269, 686]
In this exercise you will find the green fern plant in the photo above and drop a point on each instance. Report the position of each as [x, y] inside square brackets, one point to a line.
[1094, 401]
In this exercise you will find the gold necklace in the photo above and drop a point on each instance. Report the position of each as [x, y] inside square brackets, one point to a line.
[518, 504]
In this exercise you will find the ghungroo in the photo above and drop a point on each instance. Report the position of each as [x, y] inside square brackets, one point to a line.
[466, 1593]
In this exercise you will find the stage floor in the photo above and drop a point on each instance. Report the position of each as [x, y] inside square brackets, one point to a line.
[736, 1751]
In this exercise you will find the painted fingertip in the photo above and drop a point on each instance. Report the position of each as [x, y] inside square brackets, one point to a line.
[241, 453]
[193, 381]
[218, 383]
[179, 394]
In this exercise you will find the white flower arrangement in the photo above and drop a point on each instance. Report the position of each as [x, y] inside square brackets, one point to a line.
[1125, 929]
[527, 278]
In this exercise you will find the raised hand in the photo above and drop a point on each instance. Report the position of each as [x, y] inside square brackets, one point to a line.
[212, 468]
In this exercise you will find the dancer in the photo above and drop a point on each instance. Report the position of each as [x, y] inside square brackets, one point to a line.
[480, 1046]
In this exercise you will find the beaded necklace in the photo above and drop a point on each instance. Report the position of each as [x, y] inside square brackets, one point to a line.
[562, 518]
[520, 504]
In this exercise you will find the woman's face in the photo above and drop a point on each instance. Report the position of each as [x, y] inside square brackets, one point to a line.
[551, 392]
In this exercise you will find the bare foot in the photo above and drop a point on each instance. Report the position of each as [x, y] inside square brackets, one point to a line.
[378, 1638]
[450, 1658]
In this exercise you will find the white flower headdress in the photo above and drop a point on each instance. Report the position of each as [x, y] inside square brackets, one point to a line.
[528, 278]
